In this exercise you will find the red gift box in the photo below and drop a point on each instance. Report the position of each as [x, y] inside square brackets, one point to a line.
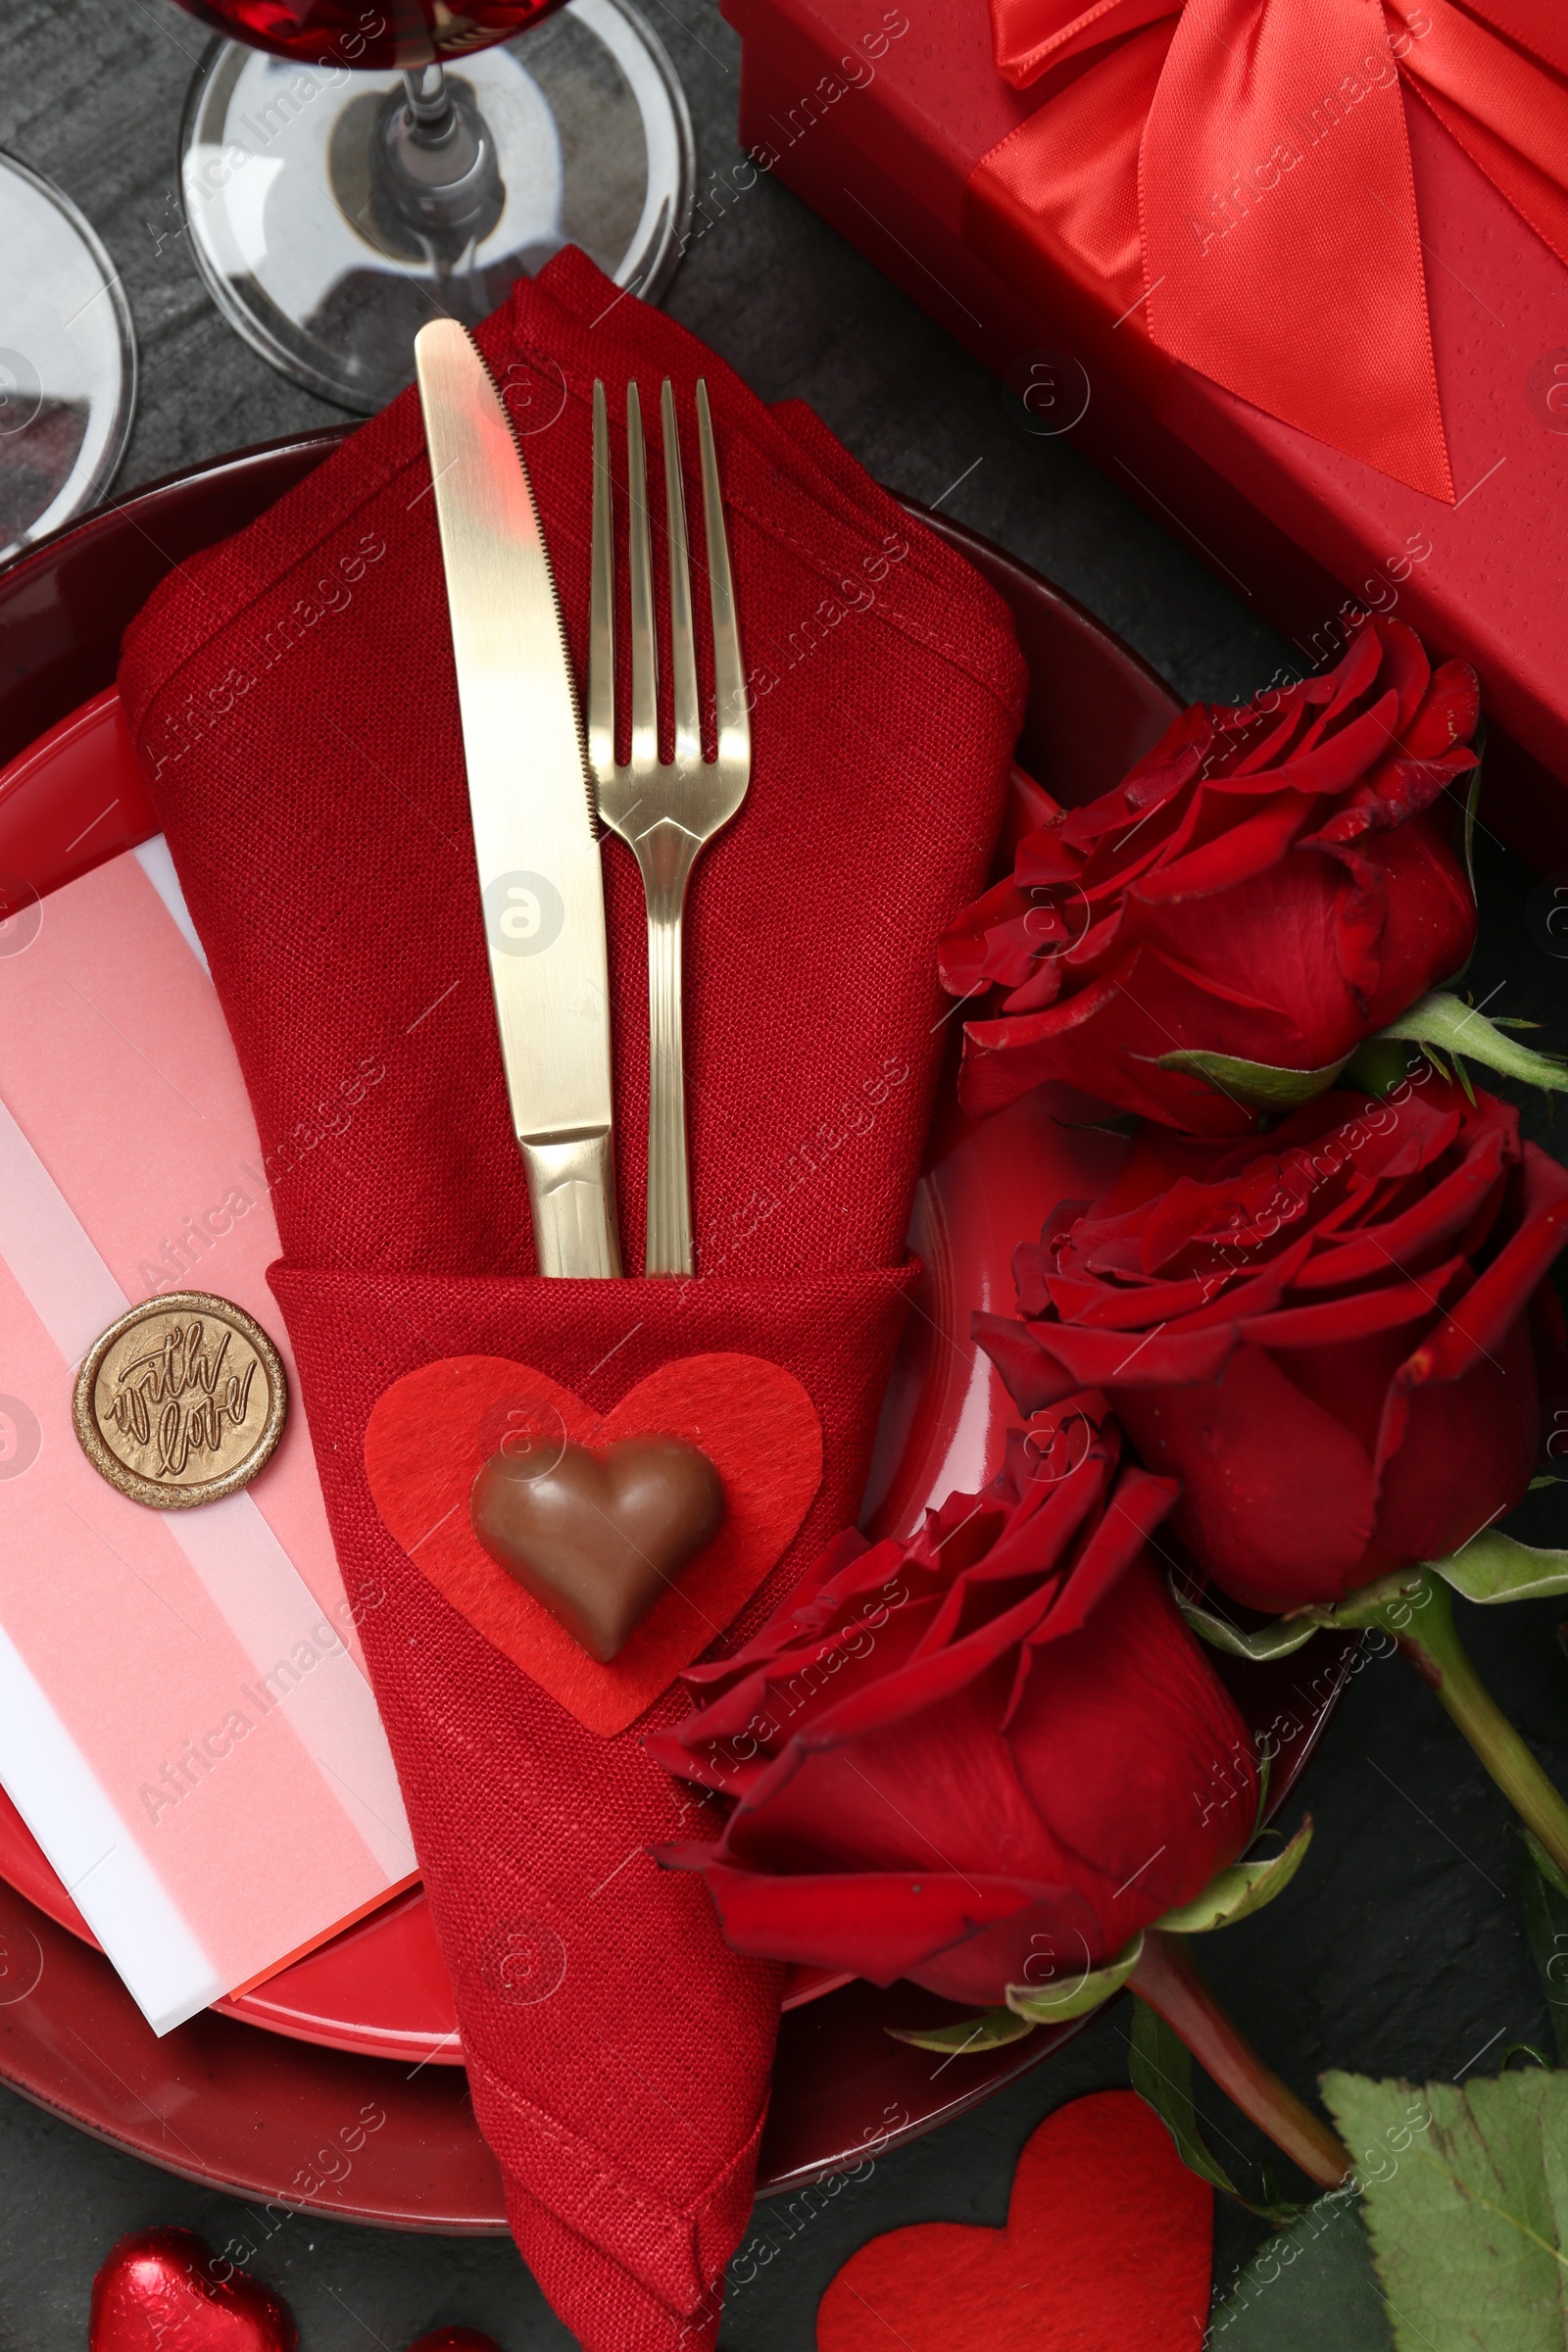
[878, 117]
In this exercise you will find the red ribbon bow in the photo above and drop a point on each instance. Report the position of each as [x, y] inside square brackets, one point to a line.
[1234, 177]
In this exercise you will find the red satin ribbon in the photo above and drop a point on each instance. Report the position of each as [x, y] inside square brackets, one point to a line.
[1229, 181]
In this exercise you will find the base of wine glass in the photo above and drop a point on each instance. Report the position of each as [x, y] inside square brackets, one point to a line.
[67, 360]
[290, 224]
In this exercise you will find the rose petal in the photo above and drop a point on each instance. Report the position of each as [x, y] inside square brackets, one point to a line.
[1358, 1314]
[1139, 1504]
[1404, 667]
[1185, 1790]
[1457, 1453]
[1047, 1361]
[880, 1925]
[1449, 1208]
[1502, 1294]
[1236, 856]
[1340, 759]
[1278, 1500]
[1450, 711]
[932, 1787]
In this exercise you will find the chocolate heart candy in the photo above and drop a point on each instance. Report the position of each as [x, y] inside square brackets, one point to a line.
[598, 1538]
[162, 2290]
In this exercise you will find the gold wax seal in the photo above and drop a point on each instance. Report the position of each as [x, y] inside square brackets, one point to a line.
[182, 1401]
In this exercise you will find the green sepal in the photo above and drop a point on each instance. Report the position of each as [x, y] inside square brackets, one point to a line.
[1492, 1566]
[1161, 2069]
[1442, 1024]
[1377, 1603]
[1041, 2008]
[1266, 1769]
[967, 2036]
[1259, 1085]
[1472, 800]
[1276, 1641]
[1387, 1599]
[1546, 1863]
[1243, 1888]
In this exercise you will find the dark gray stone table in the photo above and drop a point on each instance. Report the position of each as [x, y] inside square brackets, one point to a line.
[1400, 1949]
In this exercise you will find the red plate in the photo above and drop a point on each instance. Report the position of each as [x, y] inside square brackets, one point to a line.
[267, 2115]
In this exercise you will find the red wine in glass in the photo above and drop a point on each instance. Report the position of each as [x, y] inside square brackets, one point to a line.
[396, 34]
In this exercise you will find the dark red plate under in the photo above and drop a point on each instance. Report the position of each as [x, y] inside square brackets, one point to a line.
[374, 2123]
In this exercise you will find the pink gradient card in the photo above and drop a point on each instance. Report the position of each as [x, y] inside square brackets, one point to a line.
[185, 1724]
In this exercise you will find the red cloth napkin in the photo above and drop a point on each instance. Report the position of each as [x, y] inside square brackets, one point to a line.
[292, 698]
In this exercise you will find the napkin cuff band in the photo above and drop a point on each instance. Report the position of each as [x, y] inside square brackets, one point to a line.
[555, 1809]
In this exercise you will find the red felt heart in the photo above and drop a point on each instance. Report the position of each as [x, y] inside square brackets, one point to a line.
[432, 1432]
[1108, 2248]
[162, 2290]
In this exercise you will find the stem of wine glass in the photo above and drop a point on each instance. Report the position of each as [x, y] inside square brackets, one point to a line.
[429, 100]
[434, 164]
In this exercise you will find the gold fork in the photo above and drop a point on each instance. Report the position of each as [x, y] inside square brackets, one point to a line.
[666, 811]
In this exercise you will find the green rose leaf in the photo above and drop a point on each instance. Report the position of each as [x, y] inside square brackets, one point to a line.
[1276, 1641]
[1441, 1023]
[1466, 2199]
[1043, 2007]
[1492, 1566]
[967, 2036]
[1259, 1085]
[1312, 2288]
[1245, 1886]
[1161, 2069]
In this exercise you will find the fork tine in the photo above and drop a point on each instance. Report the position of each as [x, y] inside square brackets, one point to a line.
[644, 647]
[683, 637]
[729, 668]
[602, 605]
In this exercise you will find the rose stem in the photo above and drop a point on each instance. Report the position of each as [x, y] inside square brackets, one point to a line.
[1425, 1630]
[1169, 1982]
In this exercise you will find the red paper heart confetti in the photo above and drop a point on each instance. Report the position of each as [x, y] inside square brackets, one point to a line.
[162, 2290]
[433, 1431]
[1109, 2247]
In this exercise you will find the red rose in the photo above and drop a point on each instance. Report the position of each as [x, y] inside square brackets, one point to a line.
[1273, 883]
[1327, 1338]
[987, 1756]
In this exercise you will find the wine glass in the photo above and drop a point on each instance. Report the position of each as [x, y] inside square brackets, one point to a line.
[67, 360]
[349, 170]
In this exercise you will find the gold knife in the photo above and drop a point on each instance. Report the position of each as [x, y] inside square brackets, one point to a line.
[534, 836]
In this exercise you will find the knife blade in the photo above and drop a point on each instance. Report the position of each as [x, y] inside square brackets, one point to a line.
[540, 878]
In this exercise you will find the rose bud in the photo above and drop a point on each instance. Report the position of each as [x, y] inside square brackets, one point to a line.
[1273, 883]
[986, 1757]
[1331, 1338]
